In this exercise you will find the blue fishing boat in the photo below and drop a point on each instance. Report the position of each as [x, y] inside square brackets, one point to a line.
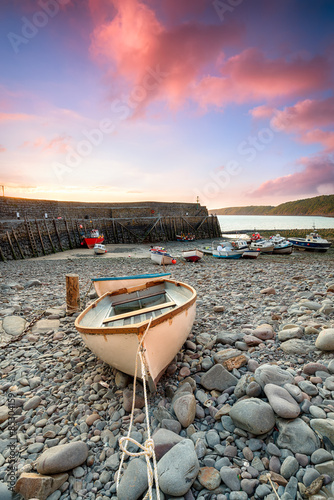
[312, 243]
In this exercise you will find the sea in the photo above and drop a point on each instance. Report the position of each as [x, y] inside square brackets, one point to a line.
[230, 223]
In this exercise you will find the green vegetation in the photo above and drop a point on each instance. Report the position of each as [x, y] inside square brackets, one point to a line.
[319, 205]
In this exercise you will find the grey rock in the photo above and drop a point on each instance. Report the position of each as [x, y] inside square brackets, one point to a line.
[32, 403]
[297, 346]
[13, 325]
[292, 333]
[218, 378]
[134, 481]
[178, 469]
[326, 468]
[185, 409]
[310, 475]
[164, 440]
[62, 458]
[324, 426]
[231, 478]
[272, 374]
[289, 467]
[253, 415]
[296, 436]
[325, 340]
[320, 456]
[283, 404]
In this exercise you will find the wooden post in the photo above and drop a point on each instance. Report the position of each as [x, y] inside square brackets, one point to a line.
[49, 235]
[18, 245]
[72, 293]
[40, 237]
[2, 256]
[11, 245]
[68, 233]
[56, 229]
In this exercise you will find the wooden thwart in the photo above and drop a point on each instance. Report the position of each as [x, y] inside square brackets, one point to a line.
[138, 312]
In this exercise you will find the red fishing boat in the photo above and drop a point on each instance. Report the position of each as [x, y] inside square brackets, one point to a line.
[92, 238]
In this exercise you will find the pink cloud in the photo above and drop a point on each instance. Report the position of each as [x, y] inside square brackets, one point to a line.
[135, 42]
[262, 112]
[317, 172]
[250, 76]
[305, 115]
[14, 117]
[58, 144]
[2, 149]
[323, 137]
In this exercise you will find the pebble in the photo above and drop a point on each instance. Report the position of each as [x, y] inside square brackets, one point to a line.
[239, 347]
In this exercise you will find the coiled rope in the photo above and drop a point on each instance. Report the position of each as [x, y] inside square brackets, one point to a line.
[148, 447]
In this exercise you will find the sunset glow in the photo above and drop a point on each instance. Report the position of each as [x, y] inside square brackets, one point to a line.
[132, 100]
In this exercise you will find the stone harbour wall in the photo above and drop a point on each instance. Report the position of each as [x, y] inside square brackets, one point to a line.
[20, 239]
[36, 209]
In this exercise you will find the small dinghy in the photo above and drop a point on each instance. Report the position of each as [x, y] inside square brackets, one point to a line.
[162, 258]
[99, 249]
[161, 311]
[110, 284]
[192, 255]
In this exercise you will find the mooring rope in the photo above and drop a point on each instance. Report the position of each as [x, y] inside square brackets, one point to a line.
[148, 447]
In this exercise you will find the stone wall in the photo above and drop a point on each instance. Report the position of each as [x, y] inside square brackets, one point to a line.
[36, 209]
[37, 237]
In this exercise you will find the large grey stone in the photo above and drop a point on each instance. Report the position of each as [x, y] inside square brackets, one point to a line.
[297, 346]
[325, 340]
[272, 374]
[296, 436]
[281, 401]
[324, 426]
[164, 440]
[13, 325]
[231, 478]
[45, 325]
[291, 333]
[178, 469]
[253, 415]
[134, 481]
[218, 378]
[62, 458]
[185, 409]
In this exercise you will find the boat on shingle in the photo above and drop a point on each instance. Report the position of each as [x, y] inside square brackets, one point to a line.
[113, 326]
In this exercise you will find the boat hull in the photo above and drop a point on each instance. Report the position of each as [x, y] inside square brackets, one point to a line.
[162, 259]
[91, 242]
[287, 250]
[226, 254]
[267, 248]
[104, 285]
[192, 255]
[307, 246]
[117, 346]
[251, 254]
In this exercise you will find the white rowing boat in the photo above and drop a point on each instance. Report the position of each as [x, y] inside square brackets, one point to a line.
[110, 284]
[161, 258]
[115, 323]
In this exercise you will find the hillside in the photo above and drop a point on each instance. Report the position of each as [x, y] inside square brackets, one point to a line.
[319, 205]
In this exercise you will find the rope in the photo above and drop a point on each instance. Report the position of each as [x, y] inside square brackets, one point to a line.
[148, 447]
[272, 485]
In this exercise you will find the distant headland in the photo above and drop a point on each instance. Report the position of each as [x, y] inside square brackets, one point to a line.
[319, 205]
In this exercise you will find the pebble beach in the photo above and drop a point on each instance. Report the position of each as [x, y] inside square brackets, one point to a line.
[245, 410]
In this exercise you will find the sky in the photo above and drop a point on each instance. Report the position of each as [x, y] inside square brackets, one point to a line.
[229, 102]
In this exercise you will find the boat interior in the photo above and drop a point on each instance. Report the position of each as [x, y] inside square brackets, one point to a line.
[135, 307]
